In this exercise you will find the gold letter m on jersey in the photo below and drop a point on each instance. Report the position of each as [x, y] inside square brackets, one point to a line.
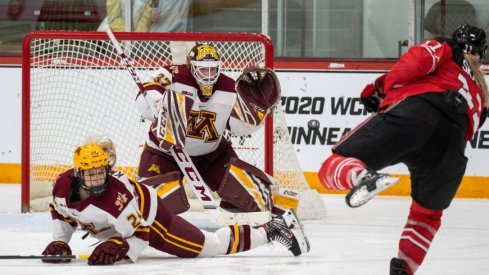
[200, 123]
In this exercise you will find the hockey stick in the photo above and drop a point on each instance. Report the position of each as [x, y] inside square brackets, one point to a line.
[45, 257]
[182, 158]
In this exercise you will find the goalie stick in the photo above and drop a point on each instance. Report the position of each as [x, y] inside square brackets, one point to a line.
[182, 158]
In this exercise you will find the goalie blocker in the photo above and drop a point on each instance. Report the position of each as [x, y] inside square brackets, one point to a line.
[171, 125]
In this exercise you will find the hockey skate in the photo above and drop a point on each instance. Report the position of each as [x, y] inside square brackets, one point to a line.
[398, 267]
[370, 183]
[287, 230]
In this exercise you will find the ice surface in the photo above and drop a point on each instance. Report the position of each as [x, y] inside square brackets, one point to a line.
[348, 241]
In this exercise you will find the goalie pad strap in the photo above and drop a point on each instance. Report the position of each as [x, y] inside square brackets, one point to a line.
[246, 187]
[170, 190]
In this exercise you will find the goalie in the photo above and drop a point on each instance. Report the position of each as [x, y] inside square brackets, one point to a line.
[210, 102]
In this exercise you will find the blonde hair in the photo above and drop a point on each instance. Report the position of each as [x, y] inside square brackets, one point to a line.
[474, 64]
[106, 144]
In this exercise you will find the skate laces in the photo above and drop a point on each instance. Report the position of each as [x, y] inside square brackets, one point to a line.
[368, 186]
[367, 176]
[357, 179]
[279, 231]
[287, 231]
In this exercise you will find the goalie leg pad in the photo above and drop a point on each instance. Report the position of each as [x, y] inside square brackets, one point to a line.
[170, 190]
[154, 163]
[283, 200]
[246, 187]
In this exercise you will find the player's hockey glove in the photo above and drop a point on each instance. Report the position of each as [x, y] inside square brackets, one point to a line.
[109, 252]
[57, 248]
[372, 95]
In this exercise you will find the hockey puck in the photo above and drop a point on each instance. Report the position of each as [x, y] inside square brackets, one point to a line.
[313, 124]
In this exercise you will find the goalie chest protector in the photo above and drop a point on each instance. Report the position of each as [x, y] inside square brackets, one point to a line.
[209, 116]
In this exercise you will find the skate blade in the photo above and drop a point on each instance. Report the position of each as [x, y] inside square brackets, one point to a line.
[297, 228]
[360, 195]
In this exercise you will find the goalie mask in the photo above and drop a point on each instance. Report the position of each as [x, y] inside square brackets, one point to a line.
[471, 39]
[204, 63]
[92, 169]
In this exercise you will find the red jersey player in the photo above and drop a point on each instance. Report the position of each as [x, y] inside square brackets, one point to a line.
[127, 216]
[427, 107]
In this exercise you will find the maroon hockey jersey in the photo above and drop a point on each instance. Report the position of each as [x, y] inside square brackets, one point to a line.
[126, 210]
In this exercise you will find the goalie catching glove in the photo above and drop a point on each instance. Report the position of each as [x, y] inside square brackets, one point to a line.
[258, 92]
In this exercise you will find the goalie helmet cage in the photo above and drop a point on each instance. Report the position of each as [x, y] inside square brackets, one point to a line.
[75, 86]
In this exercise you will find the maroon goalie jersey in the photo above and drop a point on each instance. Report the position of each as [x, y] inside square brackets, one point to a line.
[434, 66]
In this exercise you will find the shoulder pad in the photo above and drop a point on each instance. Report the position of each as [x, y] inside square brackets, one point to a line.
[457, 52]
[63, 183]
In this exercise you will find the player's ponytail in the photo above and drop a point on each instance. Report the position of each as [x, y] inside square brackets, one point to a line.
[474, 64]
[106, 144]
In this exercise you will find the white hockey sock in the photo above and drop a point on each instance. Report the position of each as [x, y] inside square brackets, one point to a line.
[232, 239]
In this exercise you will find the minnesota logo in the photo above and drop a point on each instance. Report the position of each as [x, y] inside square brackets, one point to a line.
[90, 227]
[120, 201]
[154, 168]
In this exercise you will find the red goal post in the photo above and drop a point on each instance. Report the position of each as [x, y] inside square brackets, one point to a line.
[74, 86]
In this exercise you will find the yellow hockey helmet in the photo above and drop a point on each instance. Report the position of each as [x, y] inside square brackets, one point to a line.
[87, 157]
[90, 156]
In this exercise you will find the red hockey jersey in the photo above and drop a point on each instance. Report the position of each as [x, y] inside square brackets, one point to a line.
[432, 67]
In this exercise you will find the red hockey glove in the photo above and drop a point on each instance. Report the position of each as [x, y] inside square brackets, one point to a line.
[57, 248]
[372, 94]
[109, 252]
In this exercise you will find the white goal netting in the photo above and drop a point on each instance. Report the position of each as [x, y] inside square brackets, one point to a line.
[76, 86]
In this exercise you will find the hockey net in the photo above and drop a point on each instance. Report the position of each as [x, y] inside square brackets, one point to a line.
[75, 86]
